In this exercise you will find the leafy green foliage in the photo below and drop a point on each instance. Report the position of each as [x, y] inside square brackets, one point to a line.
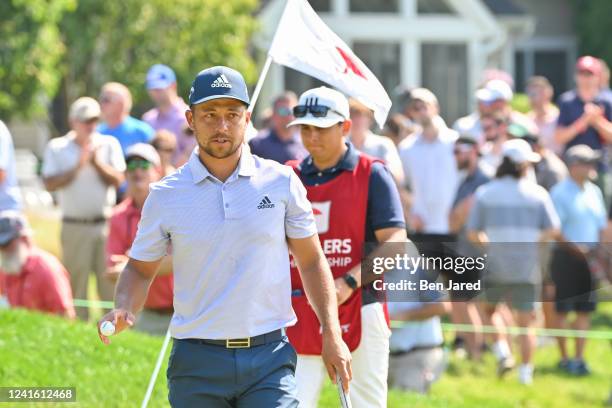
[81, 44]
[30, 53]
[120, 40]
[592, 26]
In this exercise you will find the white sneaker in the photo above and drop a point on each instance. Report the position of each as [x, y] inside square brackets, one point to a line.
[525, 373]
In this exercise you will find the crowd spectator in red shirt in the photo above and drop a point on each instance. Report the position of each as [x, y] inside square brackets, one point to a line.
[143, 168]
[30, 277]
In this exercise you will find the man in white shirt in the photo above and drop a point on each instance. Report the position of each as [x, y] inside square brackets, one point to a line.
[374, 145]
[85, 168]
[231, 218]
[429, 166]
[10, 198]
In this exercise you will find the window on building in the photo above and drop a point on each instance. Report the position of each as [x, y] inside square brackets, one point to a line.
[553, 64]
[444, 71]
[433, 7]
[383, 60]
[321, 5]
[298, 82]
[378, 6]
[519, 71]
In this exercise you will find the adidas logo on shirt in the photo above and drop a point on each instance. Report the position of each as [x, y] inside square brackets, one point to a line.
[265, 203]
[221, 82]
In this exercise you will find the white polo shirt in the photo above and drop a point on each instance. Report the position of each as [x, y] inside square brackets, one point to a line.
[87, 196]
[229, 248]
[431, 174]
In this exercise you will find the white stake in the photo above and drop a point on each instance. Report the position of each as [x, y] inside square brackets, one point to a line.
[260, 81]
[153, 379]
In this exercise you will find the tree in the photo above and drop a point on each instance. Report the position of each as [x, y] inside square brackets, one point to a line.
[120, 40]
[30, 53]
[592, 25]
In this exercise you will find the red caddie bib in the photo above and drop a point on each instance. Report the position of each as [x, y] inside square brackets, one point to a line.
[339, 207]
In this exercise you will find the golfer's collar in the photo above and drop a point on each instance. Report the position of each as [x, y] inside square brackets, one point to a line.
[347, 162]
[246, 165]
[199, 172]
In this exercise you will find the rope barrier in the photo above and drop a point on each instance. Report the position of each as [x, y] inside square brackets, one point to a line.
[586, 334]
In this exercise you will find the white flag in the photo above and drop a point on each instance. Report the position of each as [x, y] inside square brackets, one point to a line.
[303, 42]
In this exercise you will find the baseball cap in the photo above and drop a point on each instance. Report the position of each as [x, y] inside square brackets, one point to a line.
[337, 104]
[12, 225]
[589, 64]
[466, 139]
[84, 109]
[519, 131]
[424, 95]
[218, 82]
[581, 154]
[519, 151]
[160, 76]
[494, 90]
[144, 151]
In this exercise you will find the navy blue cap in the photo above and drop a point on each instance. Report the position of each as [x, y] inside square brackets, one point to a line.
[218, 82]
[160, 76]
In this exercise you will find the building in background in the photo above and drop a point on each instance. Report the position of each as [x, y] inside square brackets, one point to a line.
[443, 45]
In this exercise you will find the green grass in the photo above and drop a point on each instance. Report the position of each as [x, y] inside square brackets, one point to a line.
[41, 350]
[38, 350]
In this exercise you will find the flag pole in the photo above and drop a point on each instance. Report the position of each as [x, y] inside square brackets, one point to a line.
[153, 379]
[260, 81]
[266, 67]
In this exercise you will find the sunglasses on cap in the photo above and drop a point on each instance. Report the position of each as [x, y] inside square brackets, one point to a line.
[318, 111]
[132, 165]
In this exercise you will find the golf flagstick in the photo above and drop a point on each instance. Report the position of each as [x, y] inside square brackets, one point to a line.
[345, 401]
[153, 379]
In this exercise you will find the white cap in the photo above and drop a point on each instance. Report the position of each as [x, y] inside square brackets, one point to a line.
[84, 109]
[494, 90]
[323, 96]
[519, 151]
[144, 151]
[424, 95]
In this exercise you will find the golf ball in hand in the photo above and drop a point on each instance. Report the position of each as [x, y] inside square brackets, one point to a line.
[107, 328]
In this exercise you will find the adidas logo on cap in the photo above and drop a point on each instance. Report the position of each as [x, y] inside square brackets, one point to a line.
[221, 82]
[265, 203]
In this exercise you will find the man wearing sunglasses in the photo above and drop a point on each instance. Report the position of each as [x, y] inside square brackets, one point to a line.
[143, 168]
[280, 142]
[84, 168]
[231, 218]
[464, 310]
[355, 200]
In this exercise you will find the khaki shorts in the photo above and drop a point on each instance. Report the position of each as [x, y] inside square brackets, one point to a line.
[416, 370]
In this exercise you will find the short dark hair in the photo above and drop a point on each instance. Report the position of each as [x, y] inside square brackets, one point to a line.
[509, 168]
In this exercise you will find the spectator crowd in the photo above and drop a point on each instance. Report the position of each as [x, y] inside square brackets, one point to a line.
[495, 176]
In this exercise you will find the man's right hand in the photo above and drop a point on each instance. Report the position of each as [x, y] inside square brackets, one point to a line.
[416, 223]
[86, 156]
[337, 358]
[121, 318]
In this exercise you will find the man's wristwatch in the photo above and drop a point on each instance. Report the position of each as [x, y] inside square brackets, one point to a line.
[350, 281]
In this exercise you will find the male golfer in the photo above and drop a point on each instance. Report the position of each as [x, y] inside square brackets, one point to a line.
[355, 200]
[231, 218]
